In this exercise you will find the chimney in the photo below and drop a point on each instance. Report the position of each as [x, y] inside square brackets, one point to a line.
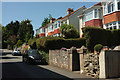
[69, 10]
[51, 20]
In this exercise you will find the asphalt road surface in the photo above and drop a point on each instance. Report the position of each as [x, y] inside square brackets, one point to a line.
[14, 69]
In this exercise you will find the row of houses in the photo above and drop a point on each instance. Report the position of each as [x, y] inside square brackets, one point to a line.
[103, 14]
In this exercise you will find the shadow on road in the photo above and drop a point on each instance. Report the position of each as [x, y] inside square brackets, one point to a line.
[9, 57]
[22, 71]
[6, 53]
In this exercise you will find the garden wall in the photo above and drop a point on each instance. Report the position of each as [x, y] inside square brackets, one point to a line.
[67, 59]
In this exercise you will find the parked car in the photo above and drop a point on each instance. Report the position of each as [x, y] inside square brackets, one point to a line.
[33, 57]
[16, 52]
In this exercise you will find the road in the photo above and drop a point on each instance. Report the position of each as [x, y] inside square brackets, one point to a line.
[14, 68]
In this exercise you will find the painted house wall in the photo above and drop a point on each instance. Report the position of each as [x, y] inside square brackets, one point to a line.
[74, 19]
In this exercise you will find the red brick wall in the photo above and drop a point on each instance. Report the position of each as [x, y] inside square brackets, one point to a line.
[112, 17]
[50, 33]
[42, 35]
[56, 31]
[94, 23]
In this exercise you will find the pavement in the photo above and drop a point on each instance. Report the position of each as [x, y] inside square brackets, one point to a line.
[13, 68]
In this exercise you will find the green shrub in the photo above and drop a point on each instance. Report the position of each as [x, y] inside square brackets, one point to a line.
[98, 47]
[45, 55]
[32, 43]
[69, 31]
[105, 37]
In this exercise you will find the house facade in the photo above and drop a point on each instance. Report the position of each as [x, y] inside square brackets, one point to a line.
[91, 17]
[103, 15]
[111, 14]
[72, 17]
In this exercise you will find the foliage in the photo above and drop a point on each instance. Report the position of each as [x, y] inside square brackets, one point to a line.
[45, 55]
[15, 31]
[69, 31]
[56, 43]
[32, 43]
[98, 47]
[19, 43]
[101, 36]
[25, 31]
[12, 41]
[28, 36]
[13, 27]
[46, 20]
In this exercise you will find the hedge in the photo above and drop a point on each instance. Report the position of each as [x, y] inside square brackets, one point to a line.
[57, 43]
[105, 37]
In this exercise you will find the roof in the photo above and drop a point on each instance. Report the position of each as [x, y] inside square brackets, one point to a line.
[94, 5]
[44, 26]
[72, 12]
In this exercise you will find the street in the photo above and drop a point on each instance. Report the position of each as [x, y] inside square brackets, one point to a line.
[13, 67]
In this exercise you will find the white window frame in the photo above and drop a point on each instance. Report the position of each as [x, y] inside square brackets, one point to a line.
[112, 24]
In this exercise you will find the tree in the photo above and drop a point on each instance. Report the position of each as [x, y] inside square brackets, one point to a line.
[28, 36]
[46, 20]
[25, 28]
[13, 27]
[5, 35]
[19, 43]
[16, 31]
[69, 31]
[12, 41]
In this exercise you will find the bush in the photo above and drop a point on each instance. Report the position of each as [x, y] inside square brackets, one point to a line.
[98, 47]
[45, 55]
[57, 43]
[105, 37]
[32, 43]
[69, 31]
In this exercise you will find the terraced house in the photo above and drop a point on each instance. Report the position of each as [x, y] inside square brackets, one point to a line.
[53, 28]
[91, 17]
[103, 15]
[111, 14]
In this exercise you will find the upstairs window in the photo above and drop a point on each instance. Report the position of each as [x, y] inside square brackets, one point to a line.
[104, 8]
[55, 26]
[118, 5]
[109, 8]
[89, 15]
[52, 27]
[58, 23]
[96, 13]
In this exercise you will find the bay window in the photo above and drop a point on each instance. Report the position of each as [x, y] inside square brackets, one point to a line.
[96, 13]
[118, 5]
[110, 7]
[89, 15]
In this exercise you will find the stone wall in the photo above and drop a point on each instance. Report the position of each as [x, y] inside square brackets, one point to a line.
[67, 59]
[105, 64]
[91, 64]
